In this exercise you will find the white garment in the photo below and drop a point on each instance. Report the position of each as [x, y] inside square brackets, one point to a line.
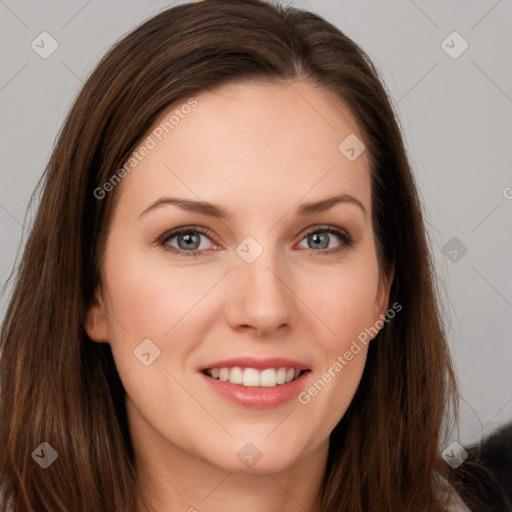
[455, 503]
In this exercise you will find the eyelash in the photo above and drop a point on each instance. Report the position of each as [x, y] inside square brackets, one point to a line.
[345, 238]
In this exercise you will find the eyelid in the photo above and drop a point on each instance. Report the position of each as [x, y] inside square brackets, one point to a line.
[346, 238]
[172, 233]
[326, 227]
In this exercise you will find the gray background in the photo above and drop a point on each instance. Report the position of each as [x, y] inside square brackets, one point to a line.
[455, 114]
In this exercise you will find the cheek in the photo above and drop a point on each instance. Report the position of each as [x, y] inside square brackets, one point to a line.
[152, 304]
[348, 312]
[347, 301]
[146, 298]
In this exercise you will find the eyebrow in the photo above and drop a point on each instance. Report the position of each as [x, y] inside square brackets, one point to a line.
[217, 211]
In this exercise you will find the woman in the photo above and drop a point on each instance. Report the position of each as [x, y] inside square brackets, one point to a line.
[298, 360]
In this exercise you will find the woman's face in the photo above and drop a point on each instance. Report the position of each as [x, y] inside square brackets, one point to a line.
[268, 281]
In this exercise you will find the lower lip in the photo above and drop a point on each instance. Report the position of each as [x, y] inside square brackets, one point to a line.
[258, 397]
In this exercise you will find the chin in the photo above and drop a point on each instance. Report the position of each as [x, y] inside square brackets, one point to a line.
[253, 457]
[275, 464]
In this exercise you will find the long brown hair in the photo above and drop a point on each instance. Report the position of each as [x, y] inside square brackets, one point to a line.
[61, 388]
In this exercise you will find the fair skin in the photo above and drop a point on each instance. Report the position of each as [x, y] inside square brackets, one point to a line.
[258, 151]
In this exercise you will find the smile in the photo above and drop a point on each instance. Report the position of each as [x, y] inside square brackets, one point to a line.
[268, 377]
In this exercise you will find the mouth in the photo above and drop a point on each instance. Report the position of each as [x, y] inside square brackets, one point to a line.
[252, 377]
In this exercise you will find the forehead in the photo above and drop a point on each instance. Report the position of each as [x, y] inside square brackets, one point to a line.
[250, 145]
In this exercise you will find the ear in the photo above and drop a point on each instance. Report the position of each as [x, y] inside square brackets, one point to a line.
[95, 323]
[384, 288]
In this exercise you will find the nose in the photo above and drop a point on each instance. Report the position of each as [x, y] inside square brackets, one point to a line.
[260, 296]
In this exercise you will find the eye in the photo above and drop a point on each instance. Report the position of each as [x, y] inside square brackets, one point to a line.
[319, 237]
[188, 240]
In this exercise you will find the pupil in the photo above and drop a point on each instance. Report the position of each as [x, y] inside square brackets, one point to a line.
[318, 238]
[188, 238]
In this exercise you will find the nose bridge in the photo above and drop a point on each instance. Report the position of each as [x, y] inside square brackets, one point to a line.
[261, 295]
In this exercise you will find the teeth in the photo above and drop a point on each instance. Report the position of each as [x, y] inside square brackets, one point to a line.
[251, 377]
[236, 376]
[268, 378]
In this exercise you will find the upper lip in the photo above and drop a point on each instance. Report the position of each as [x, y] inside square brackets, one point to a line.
[261, 364]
